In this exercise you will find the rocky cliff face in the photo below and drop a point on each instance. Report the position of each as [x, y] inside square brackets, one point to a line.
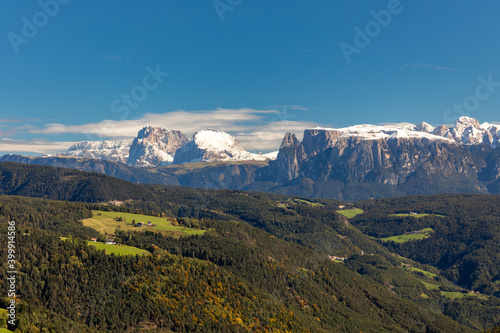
[155, 146]
[399, 156]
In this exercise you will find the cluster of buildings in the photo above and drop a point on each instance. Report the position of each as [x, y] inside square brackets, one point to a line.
[142, 224]
[337, 258]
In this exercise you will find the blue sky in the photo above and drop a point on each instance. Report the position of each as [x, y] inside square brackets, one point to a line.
[253, 68]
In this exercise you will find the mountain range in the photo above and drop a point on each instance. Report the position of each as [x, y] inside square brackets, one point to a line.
[352, 163]
[156, 146]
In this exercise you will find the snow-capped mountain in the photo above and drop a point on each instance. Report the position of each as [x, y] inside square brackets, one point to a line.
[467, 130]
[116, 151]
[213, 145]
[155, 146]
[403, 156]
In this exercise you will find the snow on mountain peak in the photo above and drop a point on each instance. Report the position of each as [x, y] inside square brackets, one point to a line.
[215, 140]
[467, 121]
[116, 151]
[379, 132]
[215, 145]
[467, 130]
[424, 127]
[155, 146]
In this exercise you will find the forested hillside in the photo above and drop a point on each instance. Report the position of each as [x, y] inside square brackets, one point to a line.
[247, 279]
[262, 265]
[464, 244]
[65, 184]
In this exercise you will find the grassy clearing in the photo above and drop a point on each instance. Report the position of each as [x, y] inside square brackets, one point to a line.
[3, 315]
[425, 233]
[310, 203]
[459, 295]
[350, 213]
[417, 216]
[105, 222]
[452, 294]
[122, 250]
[431, 286]
[426, 273]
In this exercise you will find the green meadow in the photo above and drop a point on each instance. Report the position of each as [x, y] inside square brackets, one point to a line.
[350, 213]
[417, 216]
[409, 237]
[105, 222]
[122, 250]
[421, 271]
[310, 203]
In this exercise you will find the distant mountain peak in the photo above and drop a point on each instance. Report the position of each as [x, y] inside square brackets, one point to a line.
[155, 146]
[467, 130]
[424, 127]
[116, 151]
[467, 121]
[215, 145]
[290, 140]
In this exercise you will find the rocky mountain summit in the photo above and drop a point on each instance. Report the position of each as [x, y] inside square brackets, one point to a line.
[401, 157]
[155, 146]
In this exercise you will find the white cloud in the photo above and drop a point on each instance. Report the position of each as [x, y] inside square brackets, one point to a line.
[33, 146]
[188, 122]
[257, 130]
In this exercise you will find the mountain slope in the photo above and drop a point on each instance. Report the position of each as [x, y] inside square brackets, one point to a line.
[65, 184]
[464, 244]
[246, 280]
[286, 259]
[113, 169]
